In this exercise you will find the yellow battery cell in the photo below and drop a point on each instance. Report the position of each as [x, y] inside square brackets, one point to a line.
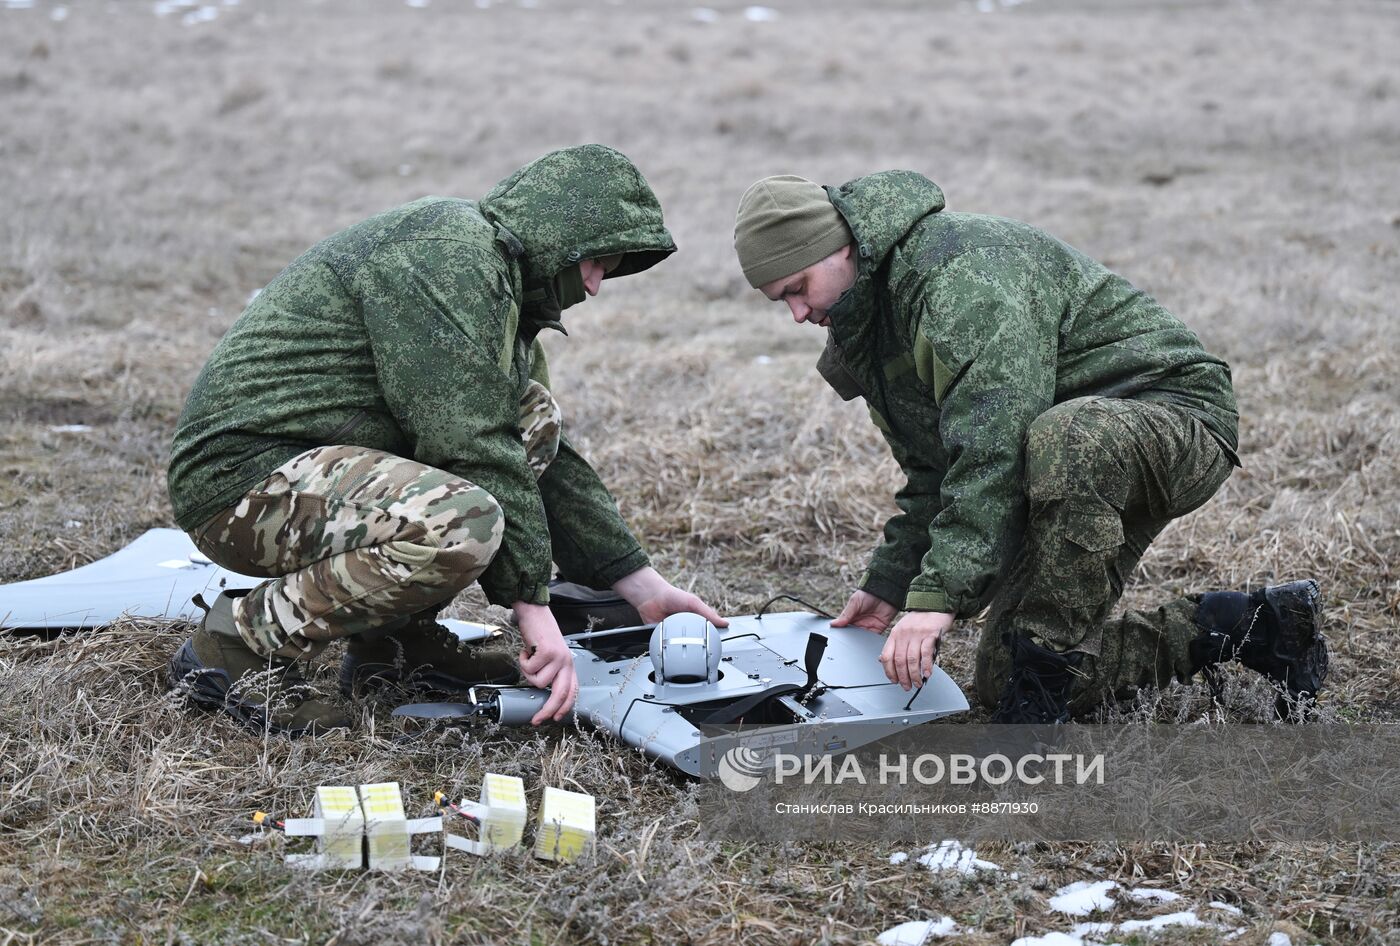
[504, 798]
[339, 808]
[567, 823]
[386, 828]
[338, 825]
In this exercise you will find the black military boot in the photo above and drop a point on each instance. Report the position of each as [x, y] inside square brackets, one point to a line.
[423, 656]
[1275, 630]
[215, 669]
[1038, 689]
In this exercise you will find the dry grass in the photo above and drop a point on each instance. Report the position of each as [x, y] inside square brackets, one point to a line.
[1241, 161]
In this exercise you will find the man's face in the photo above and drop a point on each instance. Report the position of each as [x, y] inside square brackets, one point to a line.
[810, 292]
[593, 271]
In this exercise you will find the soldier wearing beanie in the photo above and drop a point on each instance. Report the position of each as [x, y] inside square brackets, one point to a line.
[1051, 419]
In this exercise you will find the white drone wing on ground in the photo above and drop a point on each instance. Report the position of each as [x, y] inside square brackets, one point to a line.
[154, 577]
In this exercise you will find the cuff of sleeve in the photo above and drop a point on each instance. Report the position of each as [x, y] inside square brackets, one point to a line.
[928, 601]
[883, 588]
[528, 591]
[608, 575]
[532, 593]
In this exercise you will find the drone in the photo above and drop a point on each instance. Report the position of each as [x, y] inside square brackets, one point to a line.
[675, 689]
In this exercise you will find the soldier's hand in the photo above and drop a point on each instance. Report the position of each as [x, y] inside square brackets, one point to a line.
[867, 611]
[546, 661]
[912, 646]
[655, 598]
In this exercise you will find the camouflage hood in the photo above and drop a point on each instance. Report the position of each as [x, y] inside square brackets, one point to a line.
[574, 204]
[881, 208]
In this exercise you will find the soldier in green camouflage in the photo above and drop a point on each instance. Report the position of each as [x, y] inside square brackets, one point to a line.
[376, 432]
[1050, 418]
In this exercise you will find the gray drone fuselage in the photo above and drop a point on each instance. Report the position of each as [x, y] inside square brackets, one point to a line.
[843, 702]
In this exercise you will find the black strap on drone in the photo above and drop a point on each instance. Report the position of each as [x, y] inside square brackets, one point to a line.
[738, 710]
[816, 648]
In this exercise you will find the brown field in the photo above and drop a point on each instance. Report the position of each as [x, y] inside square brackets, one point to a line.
[1239, 160]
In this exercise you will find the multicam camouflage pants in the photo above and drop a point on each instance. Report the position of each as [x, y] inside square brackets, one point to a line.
[1104, 476]
[357, 539]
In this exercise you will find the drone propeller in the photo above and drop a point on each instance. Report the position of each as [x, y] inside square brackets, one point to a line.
[441, 710]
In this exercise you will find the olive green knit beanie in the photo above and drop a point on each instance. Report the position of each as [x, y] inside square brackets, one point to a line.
[785, 224]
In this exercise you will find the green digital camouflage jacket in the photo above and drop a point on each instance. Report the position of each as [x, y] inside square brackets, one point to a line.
[415, 332]
[960, 330]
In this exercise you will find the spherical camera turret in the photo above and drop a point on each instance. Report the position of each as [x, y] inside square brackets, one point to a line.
[685, 649]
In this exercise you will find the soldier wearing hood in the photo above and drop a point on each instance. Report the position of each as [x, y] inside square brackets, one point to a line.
[1051, 420]
[376, 432]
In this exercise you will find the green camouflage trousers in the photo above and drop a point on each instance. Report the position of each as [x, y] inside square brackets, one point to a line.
[357, 539]
[1104, 476]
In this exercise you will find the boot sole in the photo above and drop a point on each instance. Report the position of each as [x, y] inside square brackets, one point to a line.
[1301, 649]
[208, 688]
[1300, 652]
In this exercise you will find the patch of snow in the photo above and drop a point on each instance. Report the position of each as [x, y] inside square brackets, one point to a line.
[72, 524]
[1081, 930]
[704, 15]
[58, 14]
[917, 932]
[1236, 933]
[763, 360]
[406, 169]
[898, 857]
[760, 14]
[418, 4]
[1279, 939]
[1083, 898]
[1185, 918]
[202, 15]
[69, 428]
[951, 855]
[1049, 939]
[1227, 907]
[1152, 895]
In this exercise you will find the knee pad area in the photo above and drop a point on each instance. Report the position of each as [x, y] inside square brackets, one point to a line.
[1066, 455]
[480, 523]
